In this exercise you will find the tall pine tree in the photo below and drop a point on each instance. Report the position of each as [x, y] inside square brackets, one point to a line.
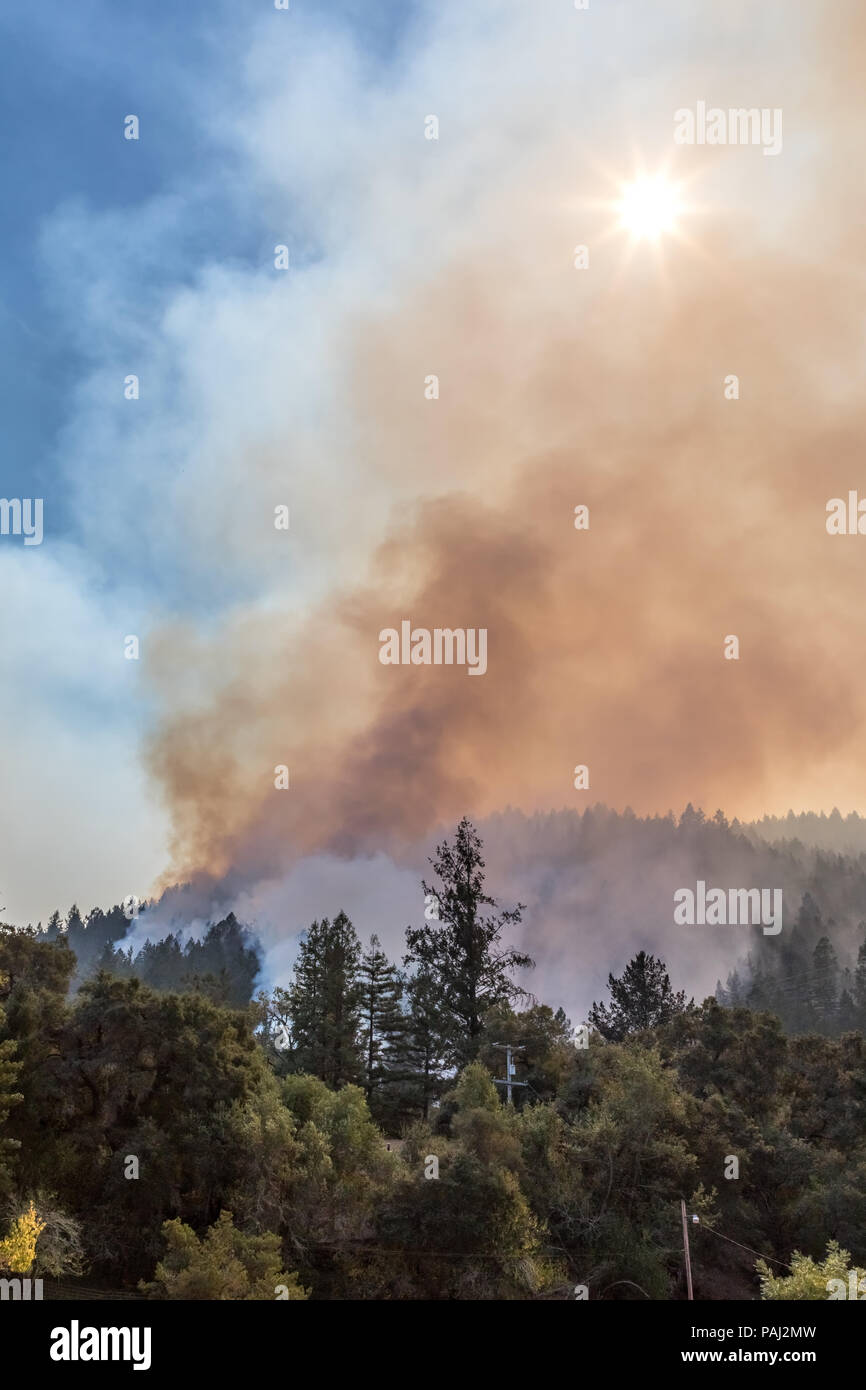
[641, 998]
[324, 1003]
[860, 987]
[462, 950]
[421, 1054]
[9, 1069]
[380, 989]
[824, 985]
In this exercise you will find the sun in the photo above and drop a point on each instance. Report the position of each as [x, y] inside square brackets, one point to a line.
[649, 207]
[652, 212]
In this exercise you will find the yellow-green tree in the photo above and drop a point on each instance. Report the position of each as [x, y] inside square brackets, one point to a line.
[18, 1249]
[224, 1265]
[834, 1277]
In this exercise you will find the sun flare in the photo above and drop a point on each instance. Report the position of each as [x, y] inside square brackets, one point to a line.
[649, 207]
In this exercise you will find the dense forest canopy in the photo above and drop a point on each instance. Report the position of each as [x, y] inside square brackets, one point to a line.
[166, 1125]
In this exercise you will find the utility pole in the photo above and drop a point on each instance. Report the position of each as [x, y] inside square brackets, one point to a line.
[686, 1251]
[509, 1070]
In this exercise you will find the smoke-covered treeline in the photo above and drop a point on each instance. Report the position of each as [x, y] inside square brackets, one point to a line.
[836, 833]
[223, 963]
[801, 980]
[597, 888]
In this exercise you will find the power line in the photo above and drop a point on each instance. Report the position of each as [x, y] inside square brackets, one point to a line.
[783, 1264]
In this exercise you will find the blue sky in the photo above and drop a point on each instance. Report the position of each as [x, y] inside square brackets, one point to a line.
[68, 76]
[103, 241]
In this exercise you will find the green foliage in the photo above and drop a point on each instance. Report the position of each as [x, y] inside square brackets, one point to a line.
[155, 1076]
[462, 952]
[483, 1126]
[275, 1112]
[628, 1164]
[475, 1089]
[324, 1003]
[418, 1057]
[355, 1146]
[810, 1281]
[380, 990]
[34, 980]
[546, 1048]
[798, 977]
[641, 998]
[9, 1072]
[225, 1264]
[222, 965]
[470, 1233]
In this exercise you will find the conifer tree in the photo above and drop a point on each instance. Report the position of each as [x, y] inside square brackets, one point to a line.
[325, 1002]
[641, 998]
[9, 1069]
[860, 987]
[421, 1053]
[380, 989]
[824, 984]
[462, 950]
[55, 926]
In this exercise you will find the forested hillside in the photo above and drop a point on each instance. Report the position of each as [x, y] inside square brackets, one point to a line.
[348, 1136]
